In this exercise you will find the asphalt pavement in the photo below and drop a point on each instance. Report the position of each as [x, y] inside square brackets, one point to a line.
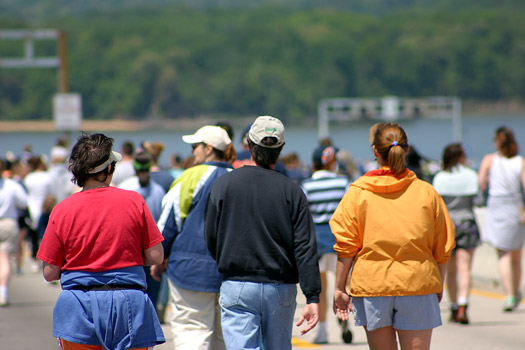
[27, 322]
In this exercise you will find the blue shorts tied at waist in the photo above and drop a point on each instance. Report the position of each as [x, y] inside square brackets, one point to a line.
[116, 318]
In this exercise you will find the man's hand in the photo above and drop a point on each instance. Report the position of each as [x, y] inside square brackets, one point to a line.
[342, 304]
[156, 271]
[311, 314]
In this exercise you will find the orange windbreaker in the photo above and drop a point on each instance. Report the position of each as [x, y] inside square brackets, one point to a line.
[398, 230]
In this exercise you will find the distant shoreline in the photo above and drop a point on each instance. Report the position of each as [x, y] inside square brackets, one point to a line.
[194, 123]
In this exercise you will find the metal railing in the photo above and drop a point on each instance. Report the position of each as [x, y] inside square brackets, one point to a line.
[389, 108]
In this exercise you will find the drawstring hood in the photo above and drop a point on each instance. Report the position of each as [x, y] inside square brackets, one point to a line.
[385, 181]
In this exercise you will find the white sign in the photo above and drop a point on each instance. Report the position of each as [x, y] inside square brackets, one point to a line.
[390, 108]
[67, 112]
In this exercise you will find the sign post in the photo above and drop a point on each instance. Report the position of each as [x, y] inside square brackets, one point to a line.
[67, 108]
[67, 112]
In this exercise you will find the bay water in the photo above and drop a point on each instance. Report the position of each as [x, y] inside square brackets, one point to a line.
[429, 136]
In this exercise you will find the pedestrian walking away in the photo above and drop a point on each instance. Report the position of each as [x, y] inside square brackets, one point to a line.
[324, 190]
[96, 243]
[260, 232]
[193, 278]
[13, 198]
[458, 186]
[503, 174]
[394, 233]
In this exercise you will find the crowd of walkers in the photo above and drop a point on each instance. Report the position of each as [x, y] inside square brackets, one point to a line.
[222, 237]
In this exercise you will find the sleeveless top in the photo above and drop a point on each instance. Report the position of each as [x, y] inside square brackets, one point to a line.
[505, 176]
[502, 229]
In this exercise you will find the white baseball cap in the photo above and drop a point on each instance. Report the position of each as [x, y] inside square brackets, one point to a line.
[212, 135]
[267, 126]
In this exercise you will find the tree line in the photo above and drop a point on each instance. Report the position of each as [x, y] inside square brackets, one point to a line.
[178, 61]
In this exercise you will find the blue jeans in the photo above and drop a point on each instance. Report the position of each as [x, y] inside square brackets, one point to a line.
[257, 314]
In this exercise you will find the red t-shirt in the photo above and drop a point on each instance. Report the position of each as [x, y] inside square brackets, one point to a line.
[98, 230]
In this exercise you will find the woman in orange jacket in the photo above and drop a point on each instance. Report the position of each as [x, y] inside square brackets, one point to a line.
[394, 231]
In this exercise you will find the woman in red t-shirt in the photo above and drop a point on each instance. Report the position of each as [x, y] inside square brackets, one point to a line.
[96, 243]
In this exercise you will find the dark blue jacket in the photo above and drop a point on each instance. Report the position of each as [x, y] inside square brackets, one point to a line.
[190, 265]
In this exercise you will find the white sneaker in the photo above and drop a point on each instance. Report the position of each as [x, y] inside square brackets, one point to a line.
[3, 301]
[321, 338]
[35, 266]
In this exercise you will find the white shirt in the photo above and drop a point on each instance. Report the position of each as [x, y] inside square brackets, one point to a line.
[38, 184]
[61, 180]
[12, 197]
[459, 181]
[123, 171]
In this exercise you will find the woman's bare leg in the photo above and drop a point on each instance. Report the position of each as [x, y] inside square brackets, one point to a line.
[464, 264]
[505, 271]
[515, 261]
[415, 340]
[383, 338]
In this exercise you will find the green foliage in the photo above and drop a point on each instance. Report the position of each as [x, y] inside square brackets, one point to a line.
[171, 62]
[36, 10]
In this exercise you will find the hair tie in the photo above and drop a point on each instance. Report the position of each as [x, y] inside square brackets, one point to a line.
[394, 143]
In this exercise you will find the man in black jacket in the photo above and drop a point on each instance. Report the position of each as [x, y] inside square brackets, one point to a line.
[259, 230]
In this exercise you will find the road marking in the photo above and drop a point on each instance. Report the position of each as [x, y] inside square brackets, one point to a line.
[301, 344]
[487, 294]
[490, 295]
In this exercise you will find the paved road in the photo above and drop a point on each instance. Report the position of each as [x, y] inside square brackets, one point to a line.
[489, 329]
[27, 322]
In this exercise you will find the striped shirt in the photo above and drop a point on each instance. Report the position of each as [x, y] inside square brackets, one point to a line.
[324, 191]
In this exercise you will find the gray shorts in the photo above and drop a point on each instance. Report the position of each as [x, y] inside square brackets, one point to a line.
[8, 235]
[413, 312]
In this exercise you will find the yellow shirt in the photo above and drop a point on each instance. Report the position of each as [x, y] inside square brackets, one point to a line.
[398, 230]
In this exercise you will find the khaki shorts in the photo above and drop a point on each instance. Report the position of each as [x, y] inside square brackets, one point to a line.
[328, 262]
[8, 235]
